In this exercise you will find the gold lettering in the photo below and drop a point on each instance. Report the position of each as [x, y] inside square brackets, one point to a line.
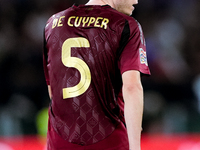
[60, 21]
[92, 20]
[77, 24]
[77, 21]
[69, 20]
[85, 21]
[55, 21]
[97, 22]
[104, 23]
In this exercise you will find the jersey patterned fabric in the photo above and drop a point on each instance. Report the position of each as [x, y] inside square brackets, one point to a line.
[86, 50]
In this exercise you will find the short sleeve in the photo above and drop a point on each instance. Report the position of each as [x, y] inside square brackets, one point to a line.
[45, 61]
[133, 56]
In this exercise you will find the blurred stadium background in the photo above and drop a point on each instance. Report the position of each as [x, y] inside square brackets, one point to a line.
[172, 93]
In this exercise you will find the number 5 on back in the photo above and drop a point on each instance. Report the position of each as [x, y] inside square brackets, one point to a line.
[77, 63]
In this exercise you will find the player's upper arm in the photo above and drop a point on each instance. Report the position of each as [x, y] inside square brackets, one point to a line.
[131, 80]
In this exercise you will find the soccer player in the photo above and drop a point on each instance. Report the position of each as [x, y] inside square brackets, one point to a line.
[94, 56]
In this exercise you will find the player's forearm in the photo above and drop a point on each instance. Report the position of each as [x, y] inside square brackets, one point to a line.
[49, 90]
[133, 97]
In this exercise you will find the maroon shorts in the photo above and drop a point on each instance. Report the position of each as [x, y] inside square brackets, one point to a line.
[118, 140]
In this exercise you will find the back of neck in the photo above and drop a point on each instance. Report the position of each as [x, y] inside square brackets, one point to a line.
[98, 2]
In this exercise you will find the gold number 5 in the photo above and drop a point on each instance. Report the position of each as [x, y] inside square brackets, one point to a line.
[77, 63]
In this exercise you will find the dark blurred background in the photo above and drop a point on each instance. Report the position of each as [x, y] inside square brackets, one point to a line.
[172, 93]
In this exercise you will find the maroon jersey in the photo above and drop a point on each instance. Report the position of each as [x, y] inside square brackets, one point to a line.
[87, 48]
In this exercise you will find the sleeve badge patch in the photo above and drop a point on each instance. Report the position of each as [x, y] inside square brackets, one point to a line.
[143, 57]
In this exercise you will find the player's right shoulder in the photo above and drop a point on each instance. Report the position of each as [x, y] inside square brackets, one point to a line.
[116, 15]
